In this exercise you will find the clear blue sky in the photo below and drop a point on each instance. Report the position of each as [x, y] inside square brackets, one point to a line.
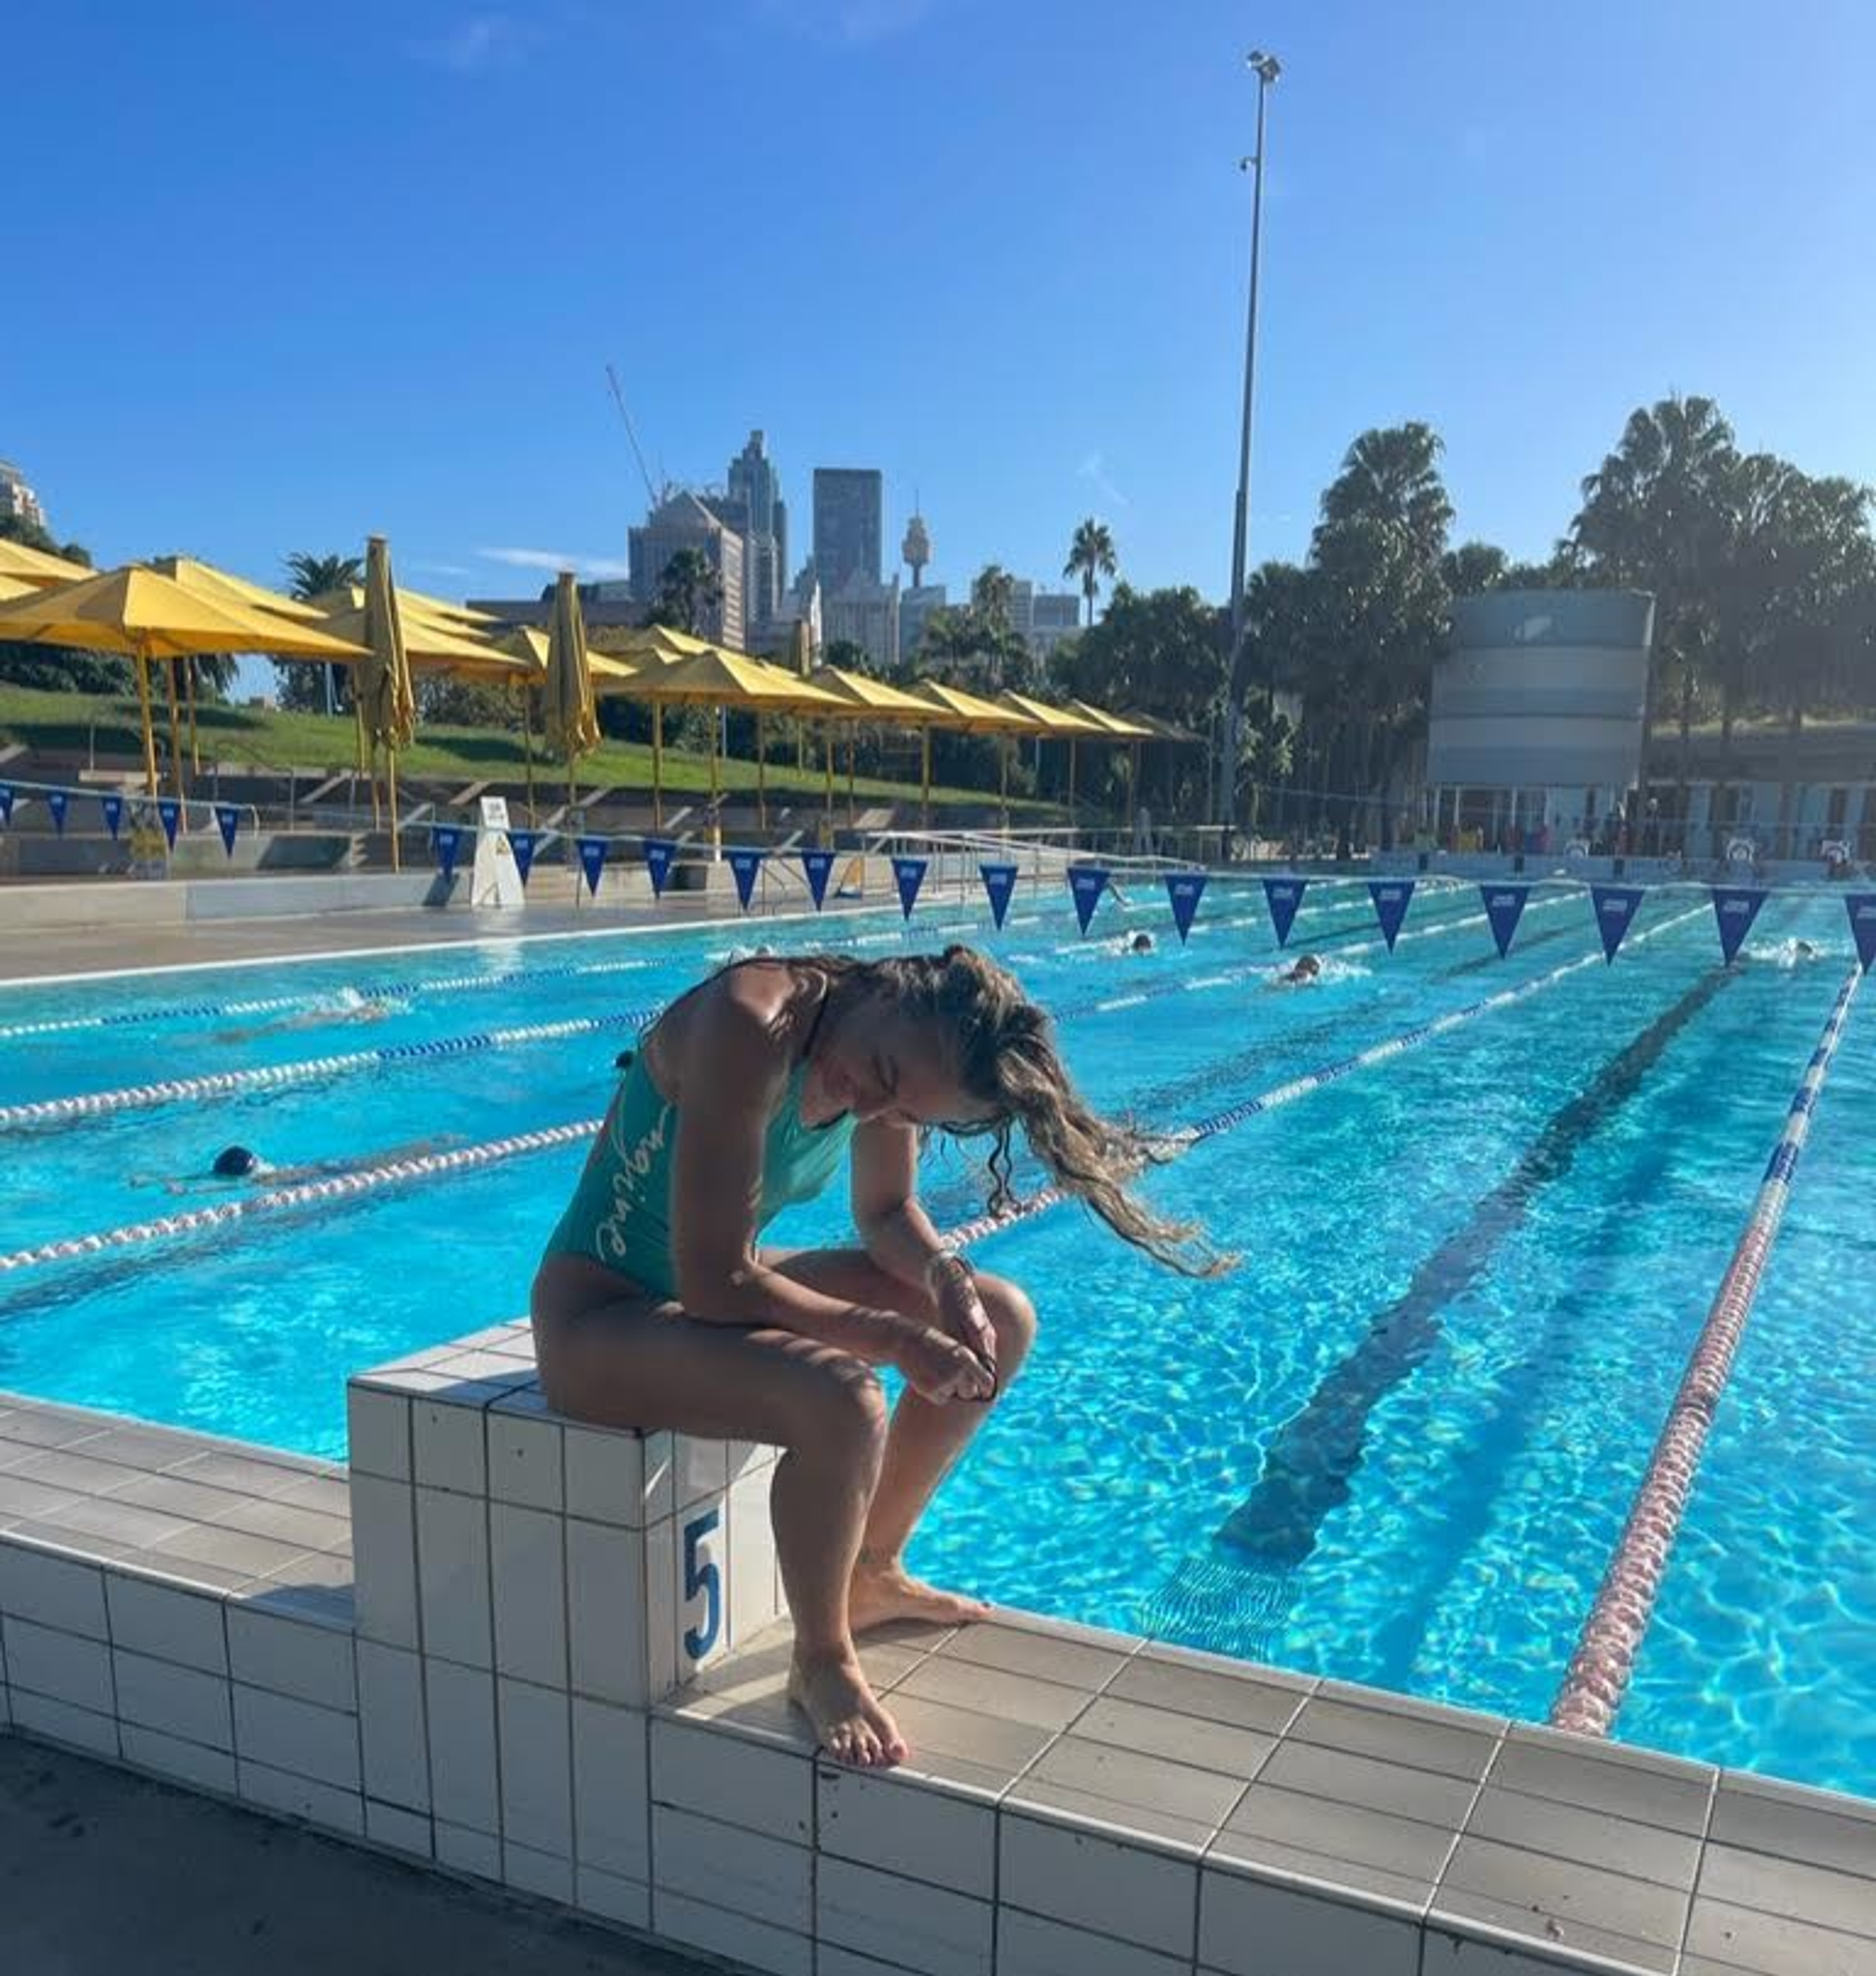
[290, 274]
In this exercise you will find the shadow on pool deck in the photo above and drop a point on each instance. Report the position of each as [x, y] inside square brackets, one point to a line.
[102, 1872]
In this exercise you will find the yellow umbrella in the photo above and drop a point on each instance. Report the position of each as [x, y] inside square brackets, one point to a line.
[1053, 720]
[413, 603]
[204, 579]
[972, 715]
[146, 617]
[1118, 727]
[11, 587]
[866, 699]
[39, 568]
[713, 677]
[382, 687]
[572, 723]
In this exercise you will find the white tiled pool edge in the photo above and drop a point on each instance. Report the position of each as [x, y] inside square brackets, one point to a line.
[558, 1672]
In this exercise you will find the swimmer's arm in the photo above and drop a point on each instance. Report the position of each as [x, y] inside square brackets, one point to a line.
[733, 1076]
[897, 1232]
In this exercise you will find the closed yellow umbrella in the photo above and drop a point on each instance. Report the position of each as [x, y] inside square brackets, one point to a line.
[39, 568]
[381, 685]
[146, 616]
[570, 720]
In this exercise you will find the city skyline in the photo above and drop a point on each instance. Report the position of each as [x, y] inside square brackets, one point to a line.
[1026, 308]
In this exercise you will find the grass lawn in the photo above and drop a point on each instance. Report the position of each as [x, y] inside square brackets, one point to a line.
[266, 739]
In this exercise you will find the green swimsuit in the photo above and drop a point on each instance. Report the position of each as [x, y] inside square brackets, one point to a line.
[619, 1214]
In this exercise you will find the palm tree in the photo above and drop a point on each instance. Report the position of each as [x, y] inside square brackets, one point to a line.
[312, 576]
[689, 589]
[1091, 557]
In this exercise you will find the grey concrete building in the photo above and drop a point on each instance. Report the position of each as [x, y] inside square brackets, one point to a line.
[682, 521]
[867, 614]
[849, 517]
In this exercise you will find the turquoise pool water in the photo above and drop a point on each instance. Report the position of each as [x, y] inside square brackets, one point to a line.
[1396, 1445]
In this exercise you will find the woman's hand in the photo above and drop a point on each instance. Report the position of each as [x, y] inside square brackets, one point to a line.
[960, 1312]
[937, 1367]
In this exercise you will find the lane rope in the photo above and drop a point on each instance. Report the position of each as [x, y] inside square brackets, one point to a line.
[1603, 1665]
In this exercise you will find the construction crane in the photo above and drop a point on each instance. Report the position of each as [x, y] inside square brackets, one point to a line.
[619, 399]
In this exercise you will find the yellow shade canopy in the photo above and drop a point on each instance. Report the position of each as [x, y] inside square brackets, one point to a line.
[1111, 726]
[38, 567]
[11, 587]
[219, 587]
[351, 596]
[146, 615]
[1049, 720]
[528, 645]
[659, 641]
[430, 645]
[726, 678]
[865, 699]
[572, 723]
[973, 715]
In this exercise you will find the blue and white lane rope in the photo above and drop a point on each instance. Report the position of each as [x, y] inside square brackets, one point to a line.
[1604, 1662]
[217, 1084]
[1186, 1137]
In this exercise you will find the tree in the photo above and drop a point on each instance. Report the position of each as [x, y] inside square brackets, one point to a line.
[1658, 515]
[689, 590]
[848, 656]
[306, 685]
[1474, 568]
[53, 668]
[1091, 557]
[993, 596]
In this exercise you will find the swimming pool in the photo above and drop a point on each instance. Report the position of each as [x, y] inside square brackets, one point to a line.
[1418, 1410]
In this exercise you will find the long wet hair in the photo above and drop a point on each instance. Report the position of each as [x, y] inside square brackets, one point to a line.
[1005, 1058]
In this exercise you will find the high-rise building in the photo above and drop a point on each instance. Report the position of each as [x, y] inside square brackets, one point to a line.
[681, 521]
[915, 550]
[865, 613]
[849, 509]
[18, 501]
[754, 481]
[916, 606]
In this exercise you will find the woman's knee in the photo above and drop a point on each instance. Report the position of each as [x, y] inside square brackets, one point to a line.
[1012, 1316]
[843, 1408]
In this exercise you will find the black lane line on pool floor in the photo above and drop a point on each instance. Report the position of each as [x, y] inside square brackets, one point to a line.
[1244, 1578]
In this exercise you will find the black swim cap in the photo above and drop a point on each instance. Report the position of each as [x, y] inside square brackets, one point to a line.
[235, 1162]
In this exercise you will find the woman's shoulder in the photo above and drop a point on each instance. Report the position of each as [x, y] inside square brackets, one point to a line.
[752, 1011]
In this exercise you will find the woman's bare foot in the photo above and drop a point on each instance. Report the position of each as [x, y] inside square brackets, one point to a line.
[882, 1593]
[831, 1691]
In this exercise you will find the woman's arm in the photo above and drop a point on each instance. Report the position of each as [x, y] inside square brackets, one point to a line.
[900, 1238]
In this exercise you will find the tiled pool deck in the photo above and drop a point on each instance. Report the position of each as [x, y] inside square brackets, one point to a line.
[551, 1657]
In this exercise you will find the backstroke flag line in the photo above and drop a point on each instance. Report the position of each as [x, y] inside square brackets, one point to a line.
[745, 865]
[819, 865]
[1392, 897]
[908, 873]
[1283, 895]
[1000, 884]
[1861, 907]
[592, 861]
[227, 821]
[1184, 889]
[446, 839]
[1504, 906]
[170, 811]
[1735, 908]
[659, 852]
[1087, 882]
[522, 843]
[113, 807]
[58, 802]
[1615, 906]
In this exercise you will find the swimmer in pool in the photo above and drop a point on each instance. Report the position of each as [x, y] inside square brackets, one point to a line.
[1305, 973]
[1140, 943]
[657, 1305]
[240, 1163]
[348, 1005]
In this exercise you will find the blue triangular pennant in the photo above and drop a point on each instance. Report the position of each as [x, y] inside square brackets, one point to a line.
[1283, 895]
[1614, 907]
[1087, 882]
[171, 811]
[6, 802]
[659, 854]
[1184, 889]
[1862, 907]
[746, 865]
[113, 807]
[522, 843]
[592, 861]
[819, 866]
[228, 821]
[58, 801]
[999, 883]
[446, 840]
[1735, 908]
[1504, 907]
[1392, 897]
[908, 873]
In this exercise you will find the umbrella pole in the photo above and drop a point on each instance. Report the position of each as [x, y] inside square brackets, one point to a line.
[391, 777]
[853, 750]
[527, 752]
[924, 771]
[827, 764]
[762, 774]
[189, 691]
[658, 765]
[176, 738]
[141, 665]
[1072, 752]
[1002, 793]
